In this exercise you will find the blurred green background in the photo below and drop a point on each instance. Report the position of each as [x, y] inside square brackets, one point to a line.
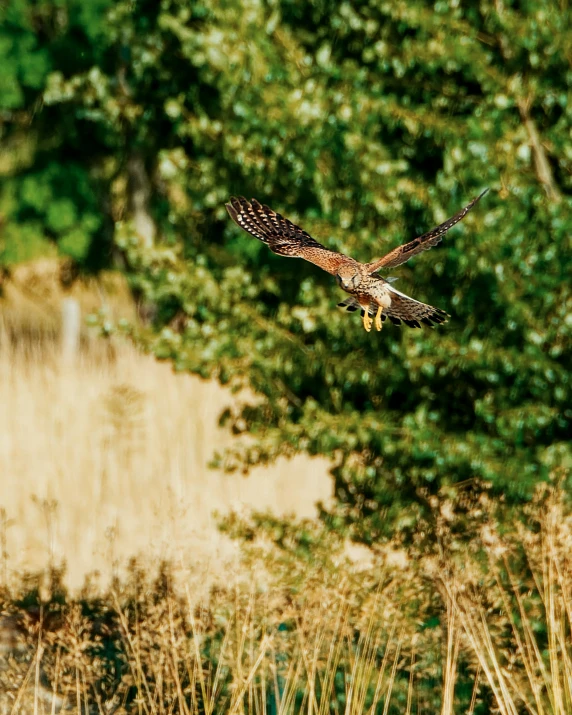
[125, 126]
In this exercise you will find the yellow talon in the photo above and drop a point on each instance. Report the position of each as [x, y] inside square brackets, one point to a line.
[378, 323]
[367, 321]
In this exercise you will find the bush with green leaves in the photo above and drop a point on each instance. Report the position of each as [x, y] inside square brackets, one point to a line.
[54, 186]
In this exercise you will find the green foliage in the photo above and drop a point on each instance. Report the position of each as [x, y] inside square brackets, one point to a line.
[25, 63]
[368, 124]
[357, 121]
[50, 166]
[52, 203]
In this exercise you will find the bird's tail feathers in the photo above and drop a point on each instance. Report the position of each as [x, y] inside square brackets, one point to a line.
[413, 312]
[403, 309]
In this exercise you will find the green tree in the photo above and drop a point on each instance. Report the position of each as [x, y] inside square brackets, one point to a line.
[54, 188]
[367, 124]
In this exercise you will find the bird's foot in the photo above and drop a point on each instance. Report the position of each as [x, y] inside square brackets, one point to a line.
[378, 323]
[367, 321]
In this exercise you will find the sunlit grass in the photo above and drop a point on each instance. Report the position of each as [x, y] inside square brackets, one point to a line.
[106, 457]
[285, 634]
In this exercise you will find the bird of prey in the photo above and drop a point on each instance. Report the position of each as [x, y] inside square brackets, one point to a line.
[368, 290]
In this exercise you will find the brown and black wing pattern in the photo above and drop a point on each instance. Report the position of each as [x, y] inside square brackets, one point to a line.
[403, 253]
[281, 235]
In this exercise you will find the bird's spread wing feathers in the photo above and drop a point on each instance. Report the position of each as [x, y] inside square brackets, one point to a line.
[403, 253]
[281, 235]
[402, 309]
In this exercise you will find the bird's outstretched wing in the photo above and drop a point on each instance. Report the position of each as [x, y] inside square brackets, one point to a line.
[403, 253]
[281, 235]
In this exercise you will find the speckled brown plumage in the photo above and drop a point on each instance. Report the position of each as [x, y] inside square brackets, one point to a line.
[369, 291]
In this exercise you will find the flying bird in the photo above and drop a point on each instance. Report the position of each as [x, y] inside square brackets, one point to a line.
[371, 293]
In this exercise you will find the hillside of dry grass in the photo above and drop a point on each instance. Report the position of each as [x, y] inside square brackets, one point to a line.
[105, 457]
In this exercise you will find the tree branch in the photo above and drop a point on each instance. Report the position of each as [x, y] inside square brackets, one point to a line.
[543, 170]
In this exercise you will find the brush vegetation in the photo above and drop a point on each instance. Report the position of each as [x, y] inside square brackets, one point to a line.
[301, 628]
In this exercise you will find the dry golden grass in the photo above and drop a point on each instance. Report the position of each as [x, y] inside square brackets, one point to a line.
[105, 458]
[488, 632]
[244, 650]
[514, 611]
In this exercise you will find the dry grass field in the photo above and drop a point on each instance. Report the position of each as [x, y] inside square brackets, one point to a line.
[446, 632]
[103, 458]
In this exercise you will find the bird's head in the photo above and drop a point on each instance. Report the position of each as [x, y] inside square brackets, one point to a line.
[348, 277]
